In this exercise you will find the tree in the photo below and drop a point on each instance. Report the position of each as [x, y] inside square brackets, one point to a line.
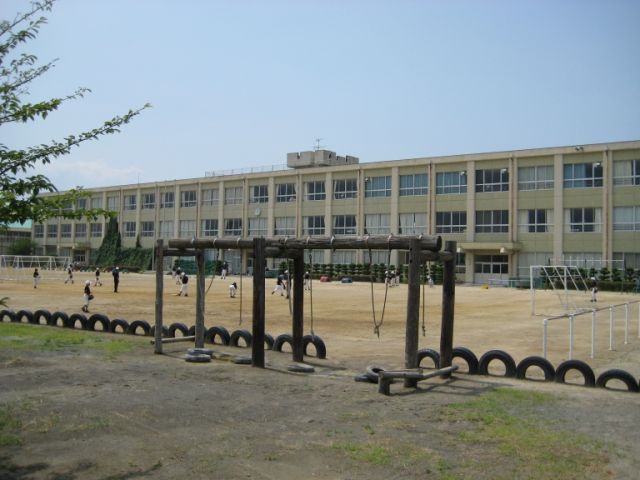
[24, 246]
[20, 192]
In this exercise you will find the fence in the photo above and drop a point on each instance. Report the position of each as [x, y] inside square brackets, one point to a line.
[593, 312]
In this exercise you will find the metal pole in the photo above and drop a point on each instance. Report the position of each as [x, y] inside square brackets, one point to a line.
[545, 323]
[611, 327]
[593, 333]
[571, 319]
[626, 323]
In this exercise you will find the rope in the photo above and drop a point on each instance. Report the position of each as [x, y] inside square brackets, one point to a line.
[240, 322]
[377, 325]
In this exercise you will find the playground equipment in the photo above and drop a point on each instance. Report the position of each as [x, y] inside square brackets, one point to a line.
[565, 280]
[20, 267]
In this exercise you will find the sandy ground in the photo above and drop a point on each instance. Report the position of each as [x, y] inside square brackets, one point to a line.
[145, 415]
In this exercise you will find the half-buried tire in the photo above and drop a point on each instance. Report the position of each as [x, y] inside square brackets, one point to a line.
[245, 335]
[103, 320]
[504, 357]
[429, 353]
[281, 340]
[41, 314]
[536, 361]
[123, 325]
[617, 374]
[580, 366]
[137, 325]
[469, 357]
[318, 344]
[220, 333]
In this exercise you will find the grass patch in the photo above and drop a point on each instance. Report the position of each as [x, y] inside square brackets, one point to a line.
[507, 431]
[28, 337]
[10, 426]
[366, 452]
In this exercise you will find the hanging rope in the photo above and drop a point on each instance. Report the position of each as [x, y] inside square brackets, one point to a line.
[213, 271]
[376, 324]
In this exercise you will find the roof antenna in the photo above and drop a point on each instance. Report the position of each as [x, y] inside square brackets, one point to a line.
[317, 146]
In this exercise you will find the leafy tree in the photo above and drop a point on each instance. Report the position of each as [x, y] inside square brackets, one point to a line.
[20, 191]
[24, 246]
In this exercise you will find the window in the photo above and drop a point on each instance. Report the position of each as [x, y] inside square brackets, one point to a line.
[313, 225]
[96, 202]
[233, 227]
[67, 207]
[344, 257]
[81, 204]
[167, 200]
[412, 223]
[166, 229]
[96, 230]
[52, 231]
[148, 201]
[492, 221]
[81, 230]
[414, 185]
[188, 198]
[38, 230]
[495, 264]
[285, 226]
[233, 196]
[377, 187]
[582, 220]
[259, 194]
[492, 180]
[535, 178]
[451, 222]
[630, 260]
[129, 229]
[130, 202]
[344, 224]
[112, 203]
[315, 190]
[187, 229]
[286, 192]
[626, 218]
[451, 183]
[347, 188]
[209, 227]
[65, 230]
[377, 224]
[148, 229]
[583, 175]
[461, 263]
[257, 227]
[535, 221]
[210, 197]
[626, 172]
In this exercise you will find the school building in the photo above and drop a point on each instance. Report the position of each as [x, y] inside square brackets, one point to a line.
[577, 204]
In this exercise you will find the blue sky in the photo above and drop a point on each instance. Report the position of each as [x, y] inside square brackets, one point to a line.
[238, 84]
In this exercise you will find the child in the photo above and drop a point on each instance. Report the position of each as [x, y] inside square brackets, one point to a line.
[98, 282]
[232, 289]
[36, 278]
[87, 296]
[307, 281]
[184, 288]
[594, 289]
[279, 286]
[69, 275]
[225, 269]
[178, 276]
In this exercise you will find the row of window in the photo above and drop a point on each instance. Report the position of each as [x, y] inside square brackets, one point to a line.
[487, 221]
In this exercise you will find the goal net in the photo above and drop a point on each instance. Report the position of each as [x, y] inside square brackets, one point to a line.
[20, 267]
[566, 282]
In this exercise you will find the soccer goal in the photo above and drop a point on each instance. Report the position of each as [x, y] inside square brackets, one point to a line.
[567, 283]
[20, 267]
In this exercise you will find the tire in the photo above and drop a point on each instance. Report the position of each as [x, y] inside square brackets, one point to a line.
[281, 340]
[118, 322]
[75, 318]
[535, 361]
[62, 317]
[429, 353]
[197, 358]
[362, 377]
[617, 374]
[198, 351]
[98, 318]
[20, 314]
[301, 368]
[178, 326]
[10, 314]
[582, 367]
[372, 372]
[240, 334]
[318, 343]
[192, 330]
[268, 341]
[504, 357]
[38, 314]
[143, 324]
[213, 332]
[165, 331]
[469, 357]
[241, 360]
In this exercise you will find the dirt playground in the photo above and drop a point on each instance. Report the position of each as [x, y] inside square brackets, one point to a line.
[85, 414]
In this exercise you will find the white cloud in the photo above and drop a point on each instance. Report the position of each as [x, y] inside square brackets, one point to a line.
[69, 173]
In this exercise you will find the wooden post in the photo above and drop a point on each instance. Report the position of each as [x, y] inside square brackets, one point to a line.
[448, 302]
[413, 311]
[159, 292]
[298, 306]
[257, 345]
[200, 299]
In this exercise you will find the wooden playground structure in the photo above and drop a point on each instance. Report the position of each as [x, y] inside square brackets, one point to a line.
[421, 249]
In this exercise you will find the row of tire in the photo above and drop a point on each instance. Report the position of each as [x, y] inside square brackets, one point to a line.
[215, 335]
[480, 366]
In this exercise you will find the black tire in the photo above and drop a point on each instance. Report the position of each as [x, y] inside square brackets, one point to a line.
[241, 360]
[221, 332]
[26, 314]
[198, 351]
[98, 318]
[504, 357]
[429, 353]
[281, 340]
[38, 314]
[579, 365]
[165, 331]
[192, 330]
[136, 324]
[58, 319]
[245, 335]
[317, 342]
[535, 361]
[74, 319]
[617, 374]
[301, 368]
[118, 322]
[362, 377]
[197, 358]
[372, 372]
[268, 342]
[469, 357]
[10, 314]
[178, 327]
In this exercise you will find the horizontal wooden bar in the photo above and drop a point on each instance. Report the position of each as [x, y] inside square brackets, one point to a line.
[385, 377]
[187, 338]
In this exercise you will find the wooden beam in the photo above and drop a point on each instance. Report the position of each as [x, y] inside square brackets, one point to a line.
[159, 253]
[448, 303]
[298, 308]
[200, 300]
[259, 264]
[413, 311]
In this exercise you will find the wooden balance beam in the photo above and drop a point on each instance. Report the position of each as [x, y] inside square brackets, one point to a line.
[386, 377]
